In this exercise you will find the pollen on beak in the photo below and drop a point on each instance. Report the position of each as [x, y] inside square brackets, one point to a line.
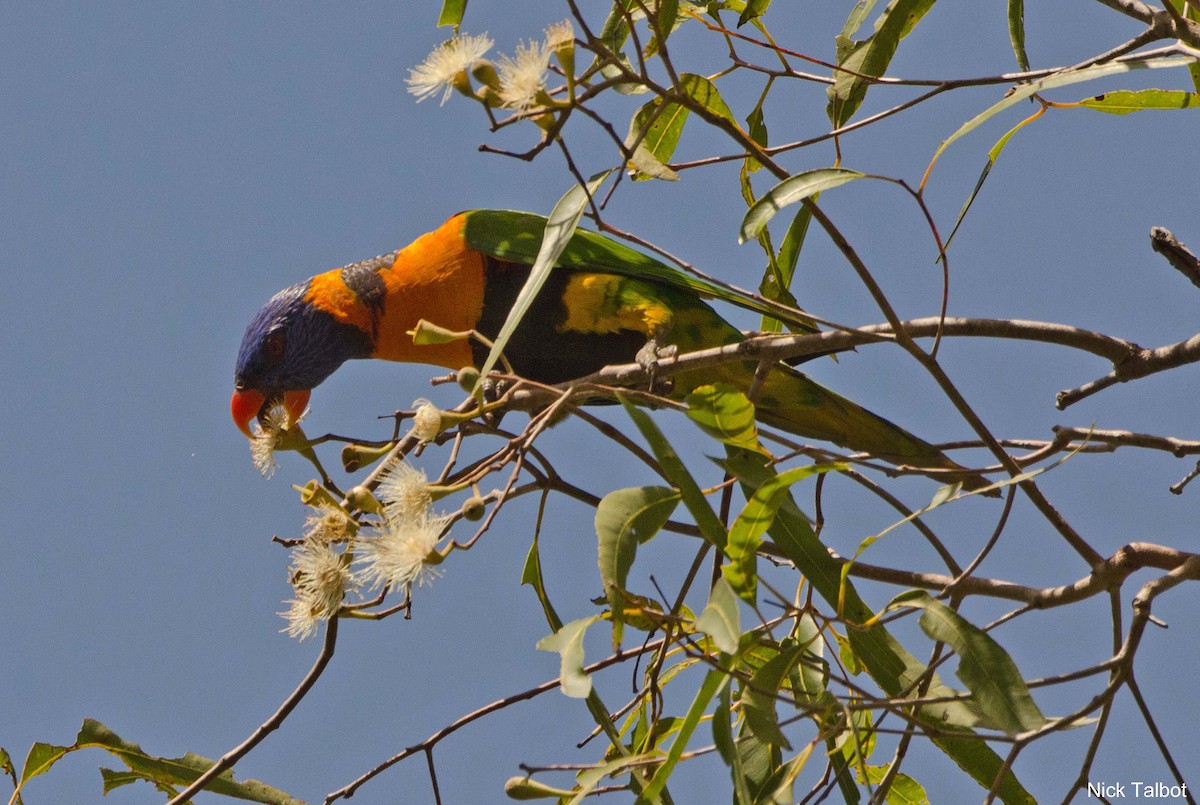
[246, 404]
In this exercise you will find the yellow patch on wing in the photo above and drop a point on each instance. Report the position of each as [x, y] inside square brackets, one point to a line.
[608, 303]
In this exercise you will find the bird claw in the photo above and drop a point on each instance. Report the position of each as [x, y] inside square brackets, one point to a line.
[492, 389]
[648, 356]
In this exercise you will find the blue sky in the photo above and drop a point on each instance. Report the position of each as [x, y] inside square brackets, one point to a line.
[167, 167]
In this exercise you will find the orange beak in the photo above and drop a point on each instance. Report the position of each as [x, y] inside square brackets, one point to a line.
[246, 404]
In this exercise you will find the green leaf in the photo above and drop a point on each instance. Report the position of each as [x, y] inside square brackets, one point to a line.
[725, 413]
[626, 518]
[887, 661]
[666, 19]
[568, 642]
[654, 133]
[809, 683]
[713, 682]
[722, 727]
[861, 61]
[531, 574]
[164, 773]
[1018, 94]
[673, 467]
[984, 667]
[655, 129]
[778, 789]
[746, 533]
[760, 762]
[560, 227]
[1124, 101]
[720, 619]
[112, 779]
[40, 758]
[904, 790]
[858, 15]
[760, 696]
[729, 749]
[756, 127]
[790, 191]
[753, 10]
[588, 779]
[704, 93]
[1016, 32]
[452, 13]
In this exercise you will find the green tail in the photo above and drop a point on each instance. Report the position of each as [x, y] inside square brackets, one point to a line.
[790, 401]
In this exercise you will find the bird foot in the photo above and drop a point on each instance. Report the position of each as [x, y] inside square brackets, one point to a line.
[648, 356]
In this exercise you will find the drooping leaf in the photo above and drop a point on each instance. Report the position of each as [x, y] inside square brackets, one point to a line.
[904, 789]
[746, 533]
[1016, 32]
[861, 61]
[560, 228]
[164, 773]
[720, 619]
[888, 662]
[709, 688]
[1066, 78]
[756, 127]
[654, 133]
[1125, 101]
[858, 15]
[984, 667]
[626, 518]
[759, 696]
[677, 473]
[531, 574]
[724, 412]
[784, 265]
[452, 13]
[666, 18]
[706, 95]
[753, 10]
[792, 190]
[993, 155]
[568, 643]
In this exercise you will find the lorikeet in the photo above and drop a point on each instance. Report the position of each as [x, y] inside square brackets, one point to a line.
[602, 303]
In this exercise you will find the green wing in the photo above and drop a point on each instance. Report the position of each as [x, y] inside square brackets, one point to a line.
[516, 236]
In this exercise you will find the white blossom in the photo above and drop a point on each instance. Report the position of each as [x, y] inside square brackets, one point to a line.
[319, 580]
[397, 554]
[523, 75]
[427, 421]
[558, 34]
[441, 67]
[404, 492]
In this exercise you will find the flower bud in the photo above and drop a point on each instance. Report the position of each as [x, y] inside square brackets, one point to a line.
[361, 498]
[474, 508]
[468, 378]
[357, 456]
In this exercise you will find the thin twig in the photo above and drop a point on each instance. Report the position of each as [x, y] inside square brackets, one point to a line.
[271, 724]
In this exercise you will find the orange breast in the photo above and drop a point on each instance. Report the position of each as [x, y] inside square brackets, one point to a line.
[437, 278]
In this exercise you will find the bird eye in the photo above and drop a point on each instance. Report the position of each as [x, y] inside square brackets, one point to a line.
[273, 347]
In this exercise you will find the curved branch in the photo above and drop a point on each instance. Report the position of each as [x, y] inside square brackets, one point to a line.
[270, 725]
